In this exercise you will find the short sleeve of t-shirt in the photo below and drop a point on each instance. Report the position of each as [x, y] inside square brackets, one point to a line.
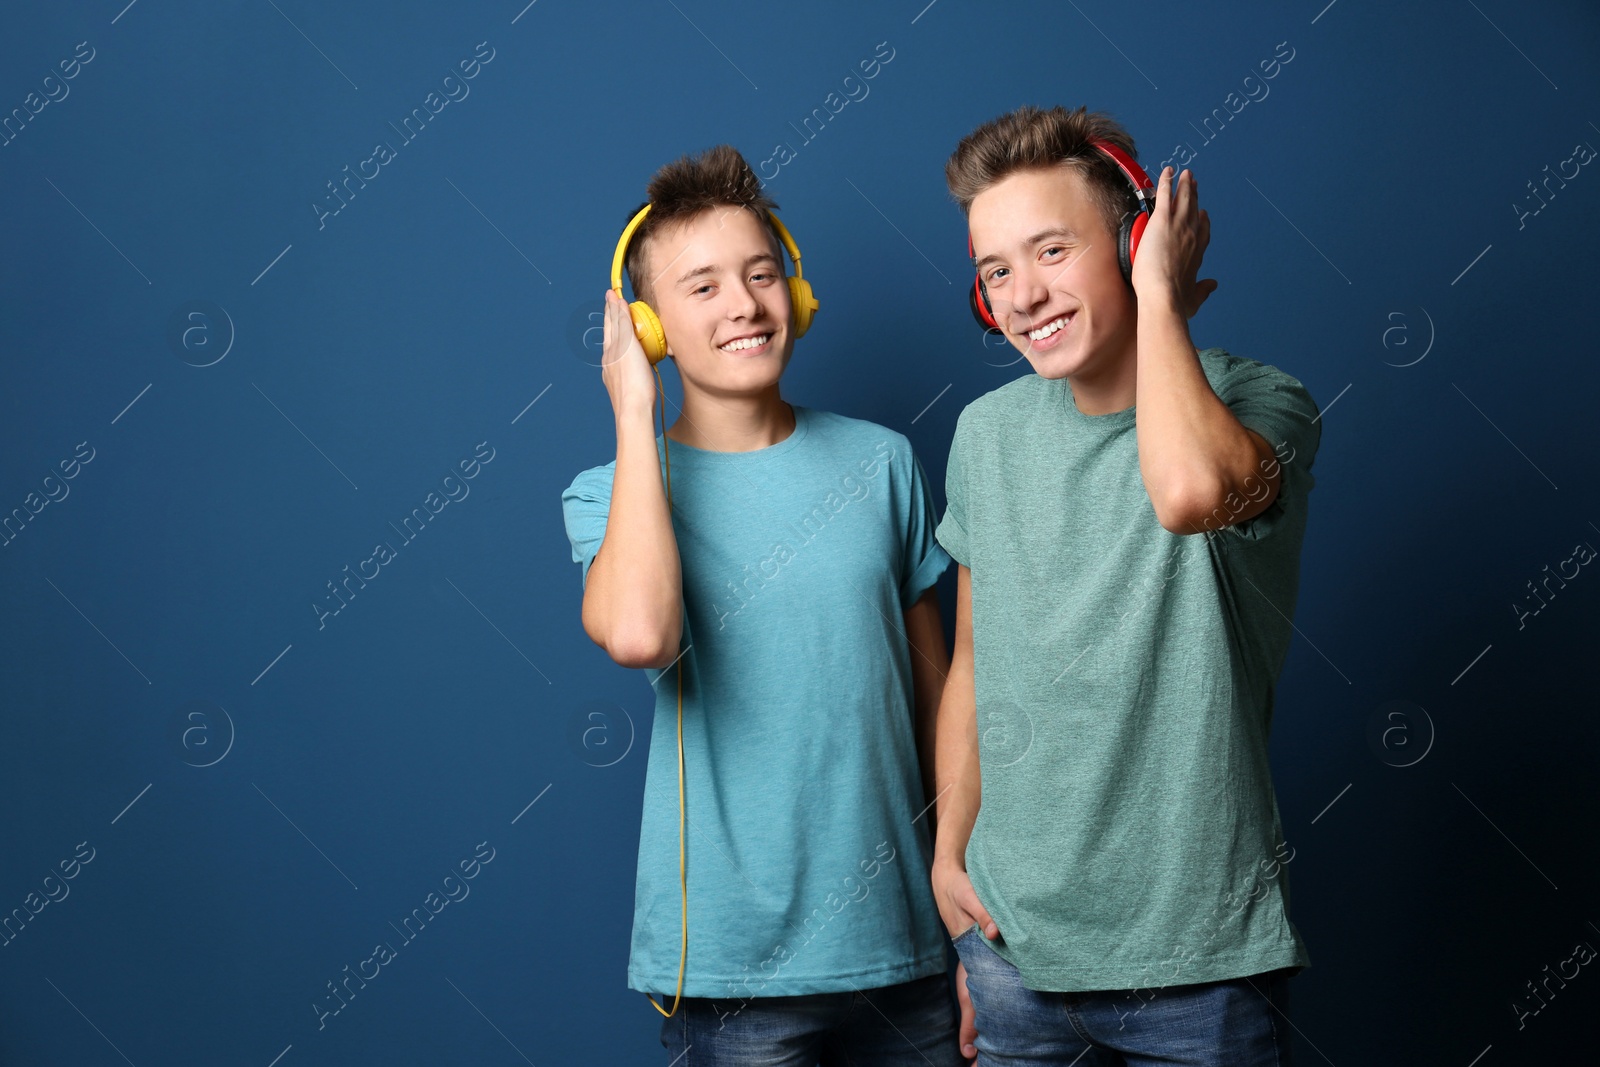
[1275, 405]
[952, 532]
[924, 560]
[585, 507]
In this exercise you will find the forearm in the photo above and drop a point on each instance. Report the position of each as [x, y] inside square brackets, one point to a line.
[927, 722]
[957, 780]
[633, 600]
[1192, 450]
[930, 663]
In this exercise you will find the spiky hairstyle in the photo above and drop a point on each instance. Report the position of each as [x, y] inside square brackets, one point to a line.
[717, 178]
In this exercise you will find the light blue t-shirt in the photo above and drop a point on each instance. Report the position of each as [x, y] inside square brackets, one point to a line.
[807, 859]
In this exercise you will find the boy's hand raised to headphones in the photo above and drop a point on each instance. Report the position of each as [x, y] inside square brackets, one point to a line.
[623, 365]
[1167, 262]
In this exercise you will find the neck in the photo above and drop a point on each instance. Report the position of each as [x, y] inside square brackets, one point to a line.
[1107, 389]
[722, 423]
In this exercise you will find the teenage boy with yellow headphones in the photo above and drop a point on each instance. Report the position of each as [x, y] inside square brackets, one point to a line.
[771, 567]
[1127, 520]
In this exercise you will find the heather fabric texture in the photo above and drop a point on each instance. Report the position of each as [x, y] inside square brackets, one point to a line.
[1128, 834]
[807, 871]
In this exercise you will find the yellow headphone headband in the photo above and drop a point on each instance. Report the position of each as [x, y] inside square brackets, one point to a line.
[622, 247]
[802, 302]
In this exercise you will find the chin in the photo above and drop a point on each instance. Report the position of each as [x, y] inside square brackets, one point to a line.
[753, 378]
[1050, 369]
[1052, 365]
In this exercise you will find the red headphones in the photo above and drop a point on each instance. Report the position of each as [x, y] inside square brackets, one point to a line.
[1133, 224]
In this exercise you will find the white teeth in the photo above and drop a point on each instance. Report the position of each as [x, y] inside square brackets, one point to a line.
[1047, 329]
[747, 342]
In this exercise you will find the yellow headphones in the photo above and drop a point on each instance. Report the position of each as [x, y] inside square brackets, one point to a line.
[802, 302]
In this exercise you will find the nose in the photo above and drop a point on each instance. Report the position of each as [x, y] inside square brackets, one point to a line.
[742, 302]
[1029, 290]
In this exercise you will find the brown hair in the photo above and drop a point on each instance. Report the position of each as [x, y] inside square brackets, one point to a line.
[1029, 138]
[717, 177]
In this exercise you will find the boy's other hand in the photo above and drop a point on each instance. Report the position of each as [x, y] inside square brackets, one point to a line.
[969, 1028]
[958, 902]
[959, 907]
[1174, 243]
[623, 365]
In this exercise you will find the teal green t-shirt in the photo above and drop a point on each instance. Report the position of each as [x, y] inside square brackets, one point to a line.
[808, 857]
[1128, 835]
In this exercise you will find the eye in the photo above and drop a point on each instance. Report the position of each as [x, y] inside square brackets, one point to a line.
[1054, 250]
[997, 275]
[763, 276]
[704, 289]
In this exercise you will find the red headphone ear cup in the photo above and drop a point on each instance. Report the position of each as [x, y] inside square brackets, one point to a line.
[1134, 234]
[978, 298]
[979, 301]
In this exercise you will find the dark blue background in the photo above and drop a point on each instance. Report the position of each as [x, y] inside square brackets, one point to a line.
[1362, 216]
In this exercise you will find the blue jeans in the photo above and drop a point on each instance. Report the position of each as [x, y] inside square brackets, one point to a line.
[1239, 1022]
[912, 1024]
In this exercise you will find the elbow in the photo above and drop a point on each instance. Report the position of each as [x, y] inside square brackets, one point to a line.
[639, 657]
[1186, 508]
[632, 643]
[1215, 506]
[638, 648]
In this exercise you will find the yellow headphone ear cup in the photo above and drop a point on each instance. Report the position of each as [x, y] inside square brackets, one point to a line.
[803, 304]
[646, 327]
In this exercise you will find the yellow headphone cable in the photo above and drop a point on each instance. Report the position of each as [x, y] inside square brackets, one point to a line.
[683, 879]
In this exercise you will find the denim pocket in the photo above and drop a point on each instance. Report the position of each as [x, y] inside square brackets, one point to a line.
[973, 929]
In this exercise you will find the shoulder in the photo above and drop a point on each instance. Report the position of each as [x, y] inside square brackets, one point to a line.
[1231, 374]
[591, 484]
[586, 507]
[1266, 399]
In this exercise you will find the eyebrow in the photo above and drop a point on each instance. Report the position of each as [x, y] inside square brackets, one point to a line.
[1054, 231]
[711, 268]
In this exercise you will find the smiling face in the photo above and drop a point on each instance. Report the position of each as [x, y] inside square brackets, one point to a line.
[718, 286]
[1050, 267]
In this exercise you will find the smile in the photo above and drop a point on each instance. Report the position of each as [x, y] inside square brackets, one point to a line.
[743, 343]
[1050, 327]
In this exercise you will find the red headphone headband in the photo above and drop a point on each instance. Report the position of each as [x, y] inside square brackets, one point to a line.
[1140, 180]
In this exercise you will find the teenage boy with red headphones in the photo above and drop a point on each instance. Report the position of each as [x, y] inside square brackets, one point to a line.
[771, 567]
[1127, 520]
